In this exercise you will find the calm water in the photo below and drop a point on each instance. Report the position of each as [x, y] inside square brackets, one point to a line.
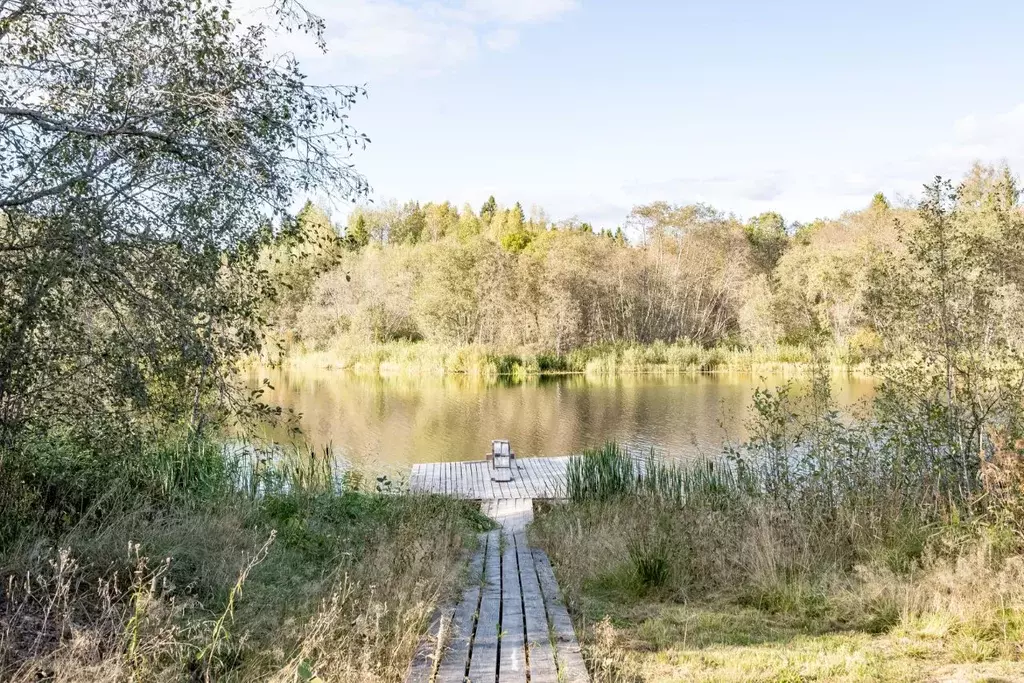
[382, 425]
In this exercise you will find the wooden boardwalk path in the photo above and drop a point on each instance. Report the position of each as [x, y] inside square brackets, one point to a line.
[531, 478]
[510, 625]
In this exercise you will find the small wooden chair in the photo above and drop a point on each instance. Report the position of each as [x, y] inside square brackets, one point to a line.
[502, 460]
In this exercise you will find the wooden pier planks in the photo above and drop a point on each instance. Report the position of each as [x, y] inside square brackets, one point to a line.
[455, 661]
[483, 664]
[540, 651]
[421, 670]
[567, 649]
[512, 649]
[510, 624]
[532, 478]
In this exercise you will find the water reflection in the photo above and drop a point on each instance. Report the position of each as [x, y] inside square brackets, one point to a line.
[385, 424]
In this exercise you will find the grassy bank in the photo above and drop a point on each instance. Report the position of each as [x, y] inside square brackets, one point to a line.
[424, 358]
[163, 568]
[817, 551]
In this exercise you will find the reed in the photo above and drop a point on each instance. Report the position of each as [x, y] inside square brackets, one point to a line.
[611, 472]
[425, 358]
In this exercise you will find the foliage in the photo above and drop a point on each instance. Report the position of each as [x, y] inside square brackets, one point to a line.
[131, 210]
[769, 239]
[952, 306]
[507, 281]
[690, 274]
[902, 523]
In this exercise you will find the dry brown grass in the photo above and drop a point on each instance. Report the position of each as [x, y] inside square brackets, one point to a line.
[343, 592]
[752, 599]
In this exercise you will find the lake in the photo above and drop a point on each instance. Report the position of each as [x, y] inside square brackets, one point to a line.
[382, 425]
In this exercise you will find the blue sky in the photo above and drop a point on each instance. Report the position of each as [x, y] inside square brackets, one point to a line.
[587, 108]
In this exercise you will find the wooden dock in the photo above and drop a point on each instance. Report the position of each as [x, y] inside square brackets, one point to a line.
[532, 478]
[510, 624]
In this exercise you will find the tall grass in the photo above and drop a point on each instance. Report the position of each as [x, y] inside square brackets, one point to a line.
[611, 472]
[424, 358]
[835, 523]
[185, 560]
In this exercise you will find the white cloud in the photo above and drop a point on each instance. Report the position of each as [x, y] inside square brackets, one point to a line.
[502, 39]
[988, 138]
[520, 11]
[389, 36]
[833, 186]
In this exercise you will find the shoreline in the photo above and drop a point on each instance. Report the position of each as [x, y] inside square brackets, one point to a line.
[422, 359]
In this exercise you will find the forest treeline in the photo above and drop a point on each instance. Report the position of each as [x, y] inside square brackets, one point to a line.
[689, 273]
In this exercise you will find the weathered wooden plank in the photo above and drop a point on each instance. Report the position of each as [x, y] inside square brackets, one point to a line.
[546, 472]
[543, 476]
[455, 661]
[522, 482]
[533, 478]
[423, 665]
[534, 482]
[512, 660]
[539, 480]
[482, 490]
[483, 661]
[540, 651]
[420, 478]
[557, 478]
[481, 477]
[471, 478]
[463, 481]
[571, 668]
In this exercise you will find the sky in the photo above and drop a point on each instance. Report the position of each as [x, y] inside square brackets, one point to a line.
[587, 108]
